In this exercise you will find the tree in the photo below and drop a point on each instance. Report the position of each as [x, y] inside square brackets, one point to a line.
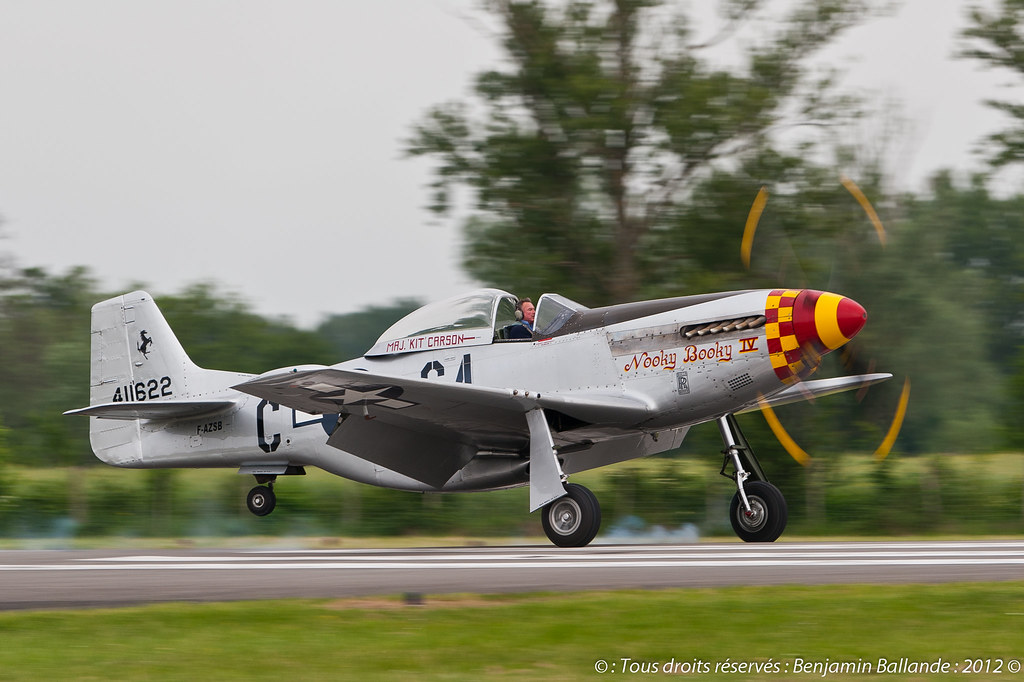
[220, 331]
[597, 134]
[929, 320]
[997, 39]
[352, 334]
[44, 349]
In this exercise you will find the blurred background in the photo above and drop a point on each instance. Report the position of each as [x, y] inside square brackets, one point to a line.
[289, 181]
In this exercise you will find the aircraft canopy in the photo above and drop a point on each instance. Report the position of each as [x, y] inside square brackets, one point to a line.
[471, 319]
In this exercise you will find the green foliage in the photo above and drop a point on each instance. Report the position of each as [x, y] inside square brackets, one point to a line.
[974, 235]
[837, 495]
[594, 143]
[6, 477]
[5, 452]
[219, 331]
[353, 334]
[1015, 404]
[44, 352]
[667, 493]
[945, 300]
[995, 37]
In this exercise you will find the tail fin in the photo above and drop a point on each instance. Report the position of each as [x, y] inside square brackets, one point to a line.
[139, 370]
[135, 355]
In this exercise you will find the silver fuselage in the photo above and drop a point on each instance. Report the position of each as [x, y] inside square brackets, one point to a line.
[683, 381]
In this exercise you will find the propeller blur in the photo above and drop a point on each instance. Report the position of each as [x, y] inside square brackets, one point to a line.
[849, 318]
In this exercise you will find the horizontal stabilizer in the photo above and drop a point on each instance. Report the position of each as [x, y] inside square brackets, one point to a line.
[164, 409]
[809, 390]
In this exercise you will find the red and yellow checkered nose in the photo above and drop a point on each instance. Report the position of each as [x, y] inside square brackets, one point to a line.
[802, 325]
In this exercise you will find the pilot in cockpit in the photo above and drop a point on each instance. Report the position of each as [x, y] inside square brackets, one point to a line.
[523, 328]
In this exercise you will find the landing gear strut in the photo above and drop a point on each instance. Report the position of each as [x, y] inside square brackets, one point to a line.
[571, 514]
[573, 520]
[758, 512]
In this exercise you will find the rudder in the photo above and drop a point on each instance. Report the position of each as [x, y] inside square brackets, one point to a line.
[135, 356]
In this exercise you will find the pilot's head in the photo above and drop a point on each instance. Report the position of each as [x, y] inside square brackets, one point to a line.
[525, 310]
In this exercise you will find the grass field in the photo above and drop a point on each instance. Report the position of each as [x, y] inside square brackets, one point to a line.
[784, 630]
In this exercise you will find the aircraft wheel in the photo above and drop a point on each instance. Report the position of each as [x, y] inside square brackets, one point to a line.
[261, 500]
[767, 516]
[573, 520]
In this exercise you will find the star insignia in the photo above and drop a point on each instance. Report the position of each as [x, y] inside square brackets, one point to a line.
[384, 396]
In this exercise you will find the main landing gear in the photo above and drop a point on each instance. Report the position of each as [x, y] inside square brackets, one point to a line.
[758, 511]
[571, 515]
[573, 520]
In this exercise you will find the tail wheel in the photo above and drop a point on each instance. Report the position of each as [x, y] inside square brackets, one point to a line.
[573, 520]
[261, 500]
[767, 516]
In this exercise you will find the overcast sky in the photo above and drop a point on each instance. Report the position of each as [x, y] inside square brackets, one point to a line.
[258, 144]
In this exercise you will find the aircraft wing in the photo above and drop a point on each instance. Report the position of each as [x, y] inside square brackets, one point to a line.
[428, 430]
[808, 390]
[452, 404]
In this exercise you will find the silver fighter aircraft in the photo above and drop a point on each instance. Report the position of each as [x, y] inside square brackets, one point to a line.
[449, 399]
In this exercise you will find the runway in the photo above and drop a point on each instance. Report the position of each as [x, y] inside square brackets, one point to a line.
[72, 578]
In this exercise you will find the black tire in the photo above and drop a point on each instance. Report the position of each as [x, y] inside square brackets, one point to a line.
[573, 520]
[261, 500]
[768, 513]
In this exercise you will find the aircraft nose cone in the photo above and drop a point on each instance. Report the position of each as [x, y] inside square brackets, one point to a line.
[851, 317]
[801, 325]
[837, 319]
